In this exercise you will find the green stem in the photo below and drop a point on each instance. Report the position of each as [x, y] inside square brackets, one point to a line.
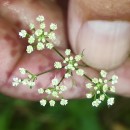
[87, 77]
[58, 52]
[46, 72]
[61, 80]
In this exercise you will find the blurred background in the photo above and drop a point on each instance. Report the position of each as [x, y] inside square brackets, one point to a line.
[18, 114]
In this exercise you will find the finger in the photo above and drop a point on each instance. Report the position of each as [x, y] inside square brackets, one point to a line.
[11, 50]
[40, 62]
[101, 29]
[24, 12]
[123, 72]
[35, 61]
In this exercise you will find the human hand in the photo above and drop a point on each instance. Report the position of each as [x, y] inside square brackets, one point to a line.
[111, 38]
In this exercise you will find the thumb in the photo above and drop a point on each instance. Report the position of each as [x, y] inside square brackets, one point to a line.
[101, 30]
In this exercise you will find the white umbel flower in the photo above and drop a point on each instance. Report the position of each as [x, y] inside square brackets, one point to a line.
[96, 103]
[63, 88]
[40, 18]
[102, 97]
[40, 46]
[95, 80]
[52, 36]
[38, 32]
[42, 25]
[32, 26]
[63, 102]
[48, 91]
[58, 65]
[112, 89]
[78, 57]
[43, 102]
[114, 79]
[89, 95]
[29, 49]
[55, 81]
[110, 101]
[89, 85]
[55, 94]
[103, 73]
[16, 81]
[105, 88]
[23, 33]
[22, 70]
[67, 75]
[53, 26]
[67, 52]
[80, 72]
[31, 39]
[40, 90]
[52, 103]
[49, 46]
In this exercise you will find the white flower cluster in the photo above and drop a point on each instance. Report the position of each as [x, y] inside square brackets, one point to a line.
[29, 81]
[55, 91]
[99, 87]
[70, 64]
[39, 39]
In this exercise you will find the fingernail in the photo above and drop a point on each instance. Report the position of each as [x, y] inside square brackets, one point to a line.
[105, 43]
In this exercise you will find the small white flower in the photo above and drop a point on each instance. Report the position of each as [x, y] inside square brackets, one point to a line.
[105, 88]
[96, 88]
[22, 70]
[112, 89]
[29, 49]
[67, 52]
[42, 25]
[32, 26]
[63, 88]
[40, 18]
[49, 45]
[48, 91]
[100, 80]
[43, 102]
[40, 46]
[80, 72]
[89, 95]
[114, 79]
[89, 85]
[38, 32]
[110, 101]
[102, 97]
[67, 75]
[16, 81]
[52, 36]
[96, 103]
[52, 103]
[55, 81]
[23, 33]
[63, 102]
[45, 33]
[31, 39]
[25, 81]
[58, 65]
[95, 80]
[55, 94]
[40, 90]
[78, 57]
[105, 81]
[31, 84]
[98, 92]
[53, 26]
[103, 73]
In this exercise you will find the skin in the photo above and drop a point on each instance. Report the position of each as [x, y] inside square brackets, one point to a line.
[104, 21]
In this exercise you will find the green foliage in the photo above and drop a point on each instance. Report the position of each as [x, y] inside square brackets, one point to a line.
[77, 115]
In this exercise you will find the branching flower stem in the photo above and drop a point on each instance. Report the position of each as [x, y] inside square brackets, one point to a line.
[58, 53]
